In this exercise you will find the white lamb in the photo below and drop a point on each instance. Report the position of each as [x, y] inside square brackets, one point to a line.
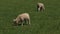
[21, 18]
[40, 6]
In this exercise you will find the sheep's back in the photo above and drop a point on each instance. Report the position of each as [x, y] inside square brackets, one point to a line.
[40, 4]
[25, 15]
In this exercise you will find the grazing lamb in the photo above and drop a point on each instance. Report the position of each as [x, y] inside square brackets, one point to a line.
[40, 7]
[21, 18]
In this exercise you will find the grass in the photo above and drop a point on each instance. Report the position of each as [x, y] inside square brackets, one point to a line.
[47, 22]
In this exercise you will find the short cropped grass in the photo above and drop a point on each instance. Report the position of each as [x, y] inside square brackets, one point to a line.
[46, 22]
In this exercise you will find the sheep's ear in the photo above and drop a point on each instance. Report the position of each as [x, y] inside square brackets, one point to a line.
[14, 19]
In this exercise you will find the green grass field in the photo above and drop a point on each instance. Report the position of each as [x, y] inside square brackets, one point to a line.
[47, 22]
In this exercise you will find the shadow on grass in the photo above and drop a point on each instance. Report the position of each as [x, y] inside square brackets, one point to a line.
[14, 24]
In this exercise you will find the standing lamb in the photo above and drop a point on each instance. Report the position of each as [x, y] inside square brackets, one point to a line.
[21, 18]
[40, 7]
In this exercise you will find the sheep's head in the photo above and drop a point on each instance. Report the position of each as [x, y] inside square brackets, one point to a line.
[14, 20]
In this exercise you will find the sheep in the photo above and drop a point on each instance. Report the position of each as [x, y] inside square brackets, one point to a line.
[21, 18]
[40, 7]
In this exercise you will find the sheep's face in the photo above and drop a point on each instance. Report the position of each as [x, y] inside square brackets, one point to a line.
[14, 20]
[38, 9]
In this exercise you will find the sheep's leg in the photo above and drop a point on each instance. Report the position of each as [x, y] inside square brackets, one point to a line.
[21, 23]
[29, 21]
[43, 8]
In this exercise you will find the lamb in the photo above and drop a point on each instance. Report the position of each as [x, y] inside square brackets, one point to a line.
[21, 18]
[40, 7]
